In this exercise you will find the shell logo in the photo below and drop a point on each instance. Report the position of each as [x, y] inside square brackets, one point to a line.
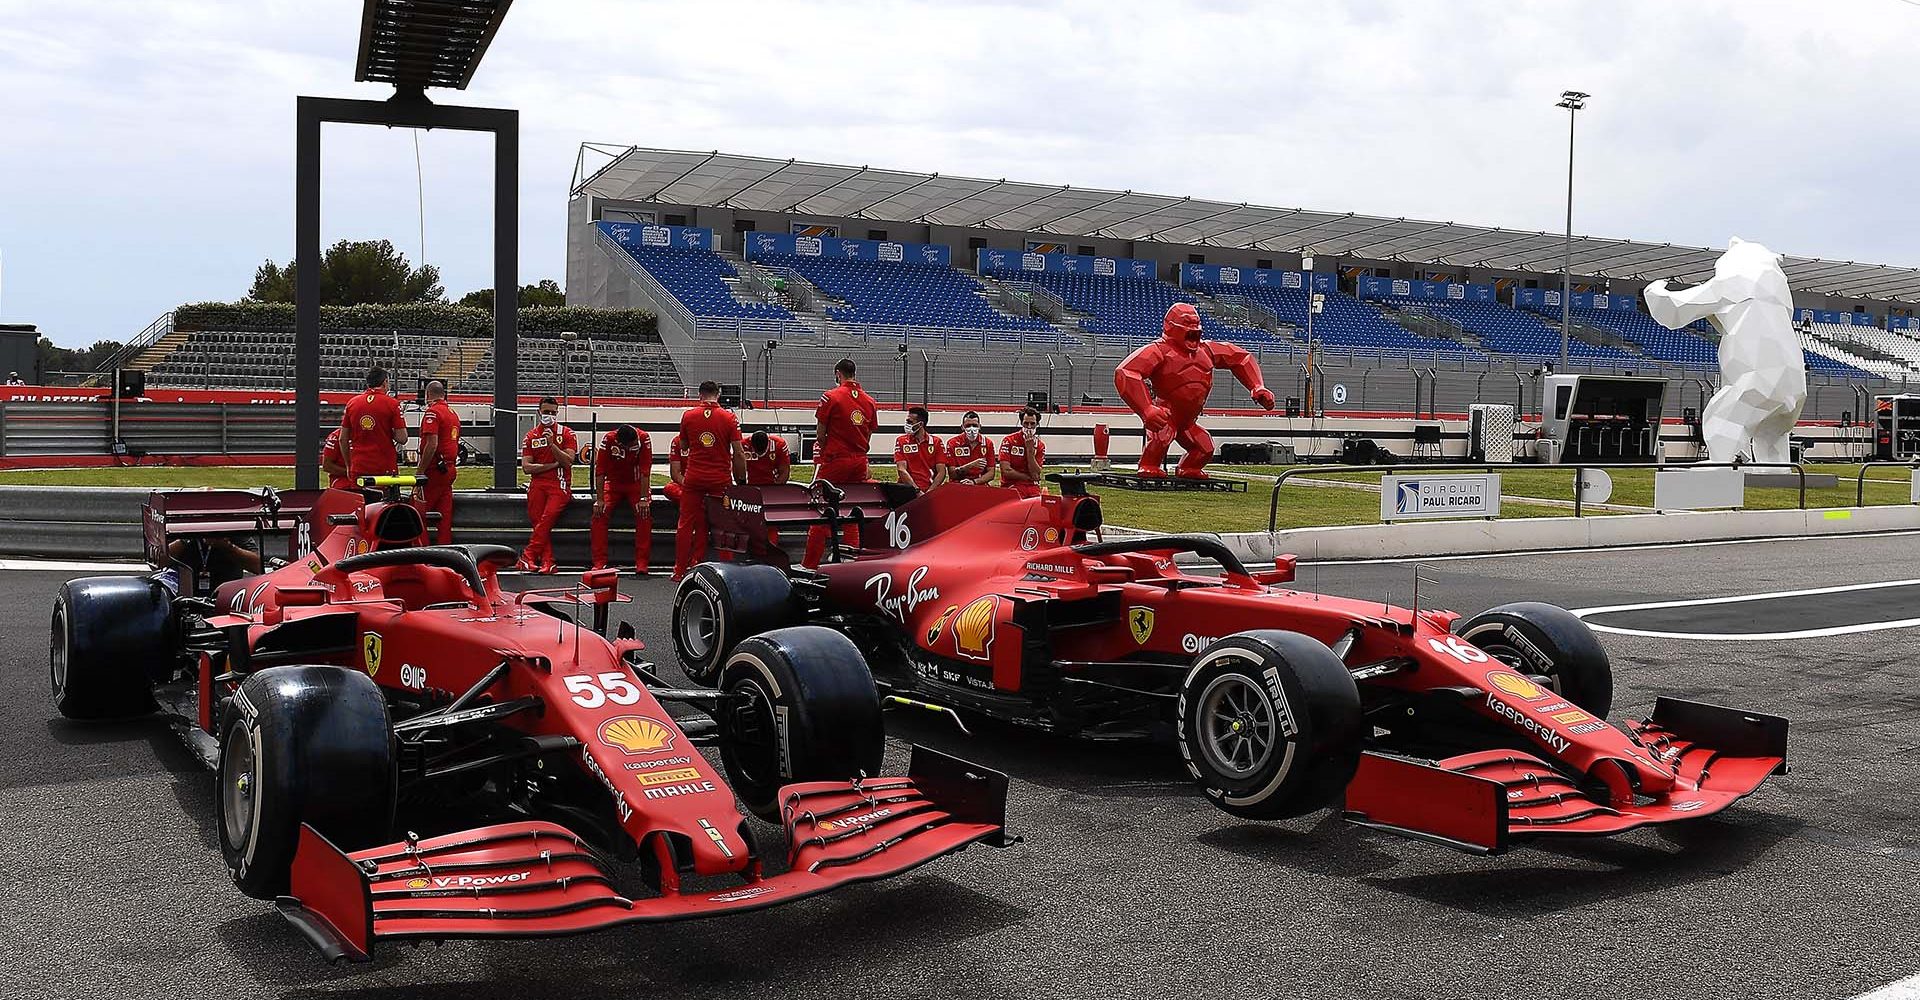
[1511, 683]
[973, 630]
[858, 418]
[637, 735]
[416, 883]
[706, 439]
[366, 423]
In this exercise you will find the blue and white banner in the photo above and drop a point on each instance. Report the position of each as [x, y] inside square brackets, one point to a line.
[1433, 291]
[635, 234]
[1603, 302]
[1536, 298]
[1900, 323]
[1227, 276]
[989, 260]
[758, 244]
[1847, 318]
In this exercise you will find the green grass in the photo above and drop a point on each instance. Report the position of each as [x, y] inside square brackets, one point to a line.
[1300, 506]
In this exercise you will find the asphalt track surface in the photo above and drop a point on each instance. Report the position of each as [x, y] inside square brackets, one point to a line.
[1128, 885]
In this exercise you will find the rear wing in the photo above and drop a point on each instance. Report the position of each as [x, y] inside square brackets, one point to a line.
[758, 523]
[170, 515]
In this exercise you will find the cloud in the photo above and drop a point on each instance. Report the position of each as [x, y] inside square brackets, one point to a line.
[150, 161]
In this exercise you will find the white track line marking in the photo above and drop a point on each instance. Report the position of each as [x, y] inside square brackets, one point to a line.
[1305, 558]
[1905, 989]
[54, 564]
[1811, 633]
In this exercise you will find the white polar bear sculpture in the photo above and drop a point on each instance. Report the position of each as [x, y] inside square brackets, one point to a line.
[1763, 375]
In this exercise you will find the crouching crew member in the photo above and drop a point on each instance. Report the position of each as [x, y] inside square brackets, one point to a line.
[547, 454]
[769, 460]
[970, 454]
[625, 465]
[918, 457]
[1022, 455]
[439, 457]
[845, 420]
[333, 463]
[712, 460]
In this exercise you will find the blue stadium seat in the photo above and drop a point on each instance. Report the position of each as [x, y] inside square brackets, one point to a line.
[906, 293]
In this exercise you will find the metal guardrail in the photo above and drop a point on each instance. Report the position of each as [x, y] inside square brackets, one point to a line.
[1579, 476]
[1860, 481]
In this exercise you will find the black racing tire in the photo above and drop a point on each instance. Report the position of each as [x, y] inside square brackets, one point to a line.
[1550, 645]
[721, 604]
[804, 708]
[302, 744]
[1269, 724]
[112, 638]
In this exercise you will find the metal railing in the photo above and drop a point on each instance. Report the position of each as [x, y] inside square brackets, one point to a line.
[1860, 480]
[1579, 476]
[141, 341]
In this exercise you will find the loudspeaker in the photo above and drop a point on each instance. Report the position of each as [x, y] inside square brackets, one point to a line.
[1040, 399]
[129, 383]
[730, 395]
[1293, 406]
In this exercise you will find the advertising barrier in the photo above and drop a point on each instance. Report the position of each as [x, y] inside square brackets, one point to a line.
[1846, 318]
[1433, 291]
[633, 235]
[989, 260]
[1407, 498]
[1202, 275]
[759, 244]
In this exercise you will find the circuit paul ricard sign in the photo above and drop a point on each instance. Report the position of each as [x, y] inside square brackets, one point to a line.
[1410, 498]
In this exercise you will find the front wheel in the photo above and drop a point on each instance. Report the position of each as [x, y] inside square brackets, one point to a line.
[1270, 724]
[1549, 644]
[801, 706]
[302, 744]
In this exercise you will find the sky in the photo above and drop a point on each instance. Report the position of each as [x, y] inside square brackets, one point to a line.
[146, 149]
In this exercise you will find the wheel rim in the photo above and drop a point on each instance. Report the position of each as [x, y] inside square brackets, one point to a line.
[238, 785]
[752, 741]
[57, 651]
[1514, 660]
[1237, 729]
[699, 624]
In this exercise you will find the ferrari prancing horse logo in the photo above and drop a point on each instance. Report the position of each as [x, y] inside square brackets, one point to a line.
[370, 647]
[1140, 622]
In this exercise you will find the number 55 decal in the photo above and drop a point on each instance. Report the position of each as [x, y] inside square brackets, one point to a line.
[593, 692]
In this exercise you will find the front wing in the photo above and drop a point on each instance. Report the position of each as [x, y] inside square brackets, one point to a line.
[1483, 802]
[537, 879]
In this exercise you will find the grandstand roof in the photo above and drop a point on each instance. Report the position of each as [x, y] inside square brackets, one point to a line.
[426, 43]
[762, 184]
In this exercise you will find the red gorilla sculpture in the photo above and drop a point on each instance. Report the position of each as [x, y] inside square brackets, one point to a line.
[1180, 367]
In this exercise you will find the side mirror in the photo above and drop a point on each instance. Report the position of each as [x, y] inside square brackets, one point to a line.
[1282, 571]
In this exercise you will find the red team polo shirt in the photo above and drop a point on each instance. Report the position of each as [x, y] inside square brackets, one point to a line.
[761, 469]
[622, 467]
[1013, 448]
[537, 446]
[850, 416]
[961, 451]
[707, 433]
[369, 420]
[331, 452]
[919, 458]
[440, 419]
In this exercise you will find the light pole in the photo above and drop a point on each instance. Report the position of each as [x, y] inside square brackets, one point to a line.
[1313, 306]
[1573, 101]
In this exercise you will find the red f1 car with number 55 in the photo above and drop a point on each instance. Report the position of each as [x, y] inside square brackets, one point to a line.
[374, 676]
[1475, 734]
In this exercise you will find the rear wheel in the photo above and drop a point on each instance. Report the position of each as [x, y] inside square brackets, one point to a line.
[302, 744]
[1270, 724]
[112, 638]
[1549, 644]
[803, 707]
[721, 604]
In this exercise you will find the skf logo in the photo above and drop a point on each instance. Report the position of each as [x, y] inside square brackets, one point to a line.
[1140, 623]
[370, 646]
[637, 735]
[1508, 682]
[973, 631]
[933, 631]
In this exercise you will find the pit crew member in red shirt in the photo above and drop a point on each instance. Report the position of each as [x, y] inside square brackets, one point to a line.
[970, 456]
[1022, 455]
[713, 460]
[547, 454]
[439, 457]
[375, 430]
[845, 420]
[625, 465]
[918, 457]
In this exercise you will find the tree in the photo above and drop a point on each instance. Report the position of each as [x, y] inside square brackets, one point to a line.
[546, 293]
[54, 358]
[354, 273]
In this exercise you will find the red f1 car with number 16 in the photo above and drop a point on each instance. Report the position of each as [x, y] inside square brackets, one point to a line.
[1475, 734]
[375, 675]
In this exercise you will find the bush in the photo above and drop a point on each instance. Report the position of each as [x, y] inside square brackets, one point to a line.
[466, 321]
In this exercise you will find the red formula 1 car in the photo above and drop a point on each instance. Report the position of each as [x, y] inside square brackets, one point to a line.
[1475, 734]
[374, 682]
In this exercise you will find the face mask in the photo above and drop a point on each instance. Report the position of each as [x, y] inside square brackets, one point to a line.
[972, 433]
[914, 429]
[546, 419]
